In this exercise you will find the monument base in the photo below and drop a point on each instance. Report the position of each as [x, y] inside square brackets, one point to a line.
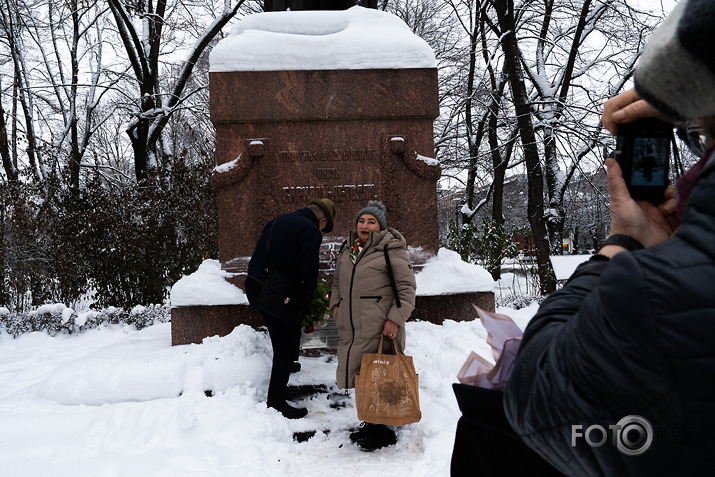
[453, 306]
[191, 324]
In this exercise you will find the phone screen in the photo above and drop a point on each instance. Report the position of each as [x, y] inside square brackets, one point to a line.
[649, 167]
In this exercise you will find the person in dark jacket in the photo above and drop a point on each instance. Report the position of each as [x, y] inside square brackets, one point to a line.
[289, 243]
[613, 375]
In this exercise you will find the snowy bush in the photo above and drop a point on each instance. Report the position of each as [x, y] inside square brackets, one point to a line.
[56, 319]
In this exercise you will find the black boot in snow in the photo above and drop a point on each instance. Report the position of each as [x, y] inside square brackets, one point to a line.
[378, 436]
[290, 412]
[363, 431]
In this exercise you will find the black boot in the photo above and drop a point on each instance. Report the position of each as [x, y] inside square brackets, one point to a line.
[296, 367]
[363, 431]
[290, 412]
[378, 436]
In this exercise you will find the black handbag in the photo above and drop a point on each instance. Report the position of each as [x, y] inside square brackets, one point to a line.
[278, 295]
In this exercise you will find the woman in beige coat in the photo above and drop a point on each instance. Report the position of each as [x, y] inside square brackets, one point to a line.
[363, 303]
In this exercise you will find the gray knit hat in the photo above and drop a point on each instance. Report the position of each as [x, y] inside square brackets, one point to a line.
[676, 72]
[376, 208]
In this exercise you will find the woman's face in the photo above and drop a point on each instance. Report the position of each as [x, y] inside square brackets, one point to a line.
[367, 223]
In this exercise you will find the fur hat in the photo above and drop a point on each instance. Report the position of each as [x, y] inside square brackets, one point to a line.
[330, 211]
[377, 209]
[676, 72]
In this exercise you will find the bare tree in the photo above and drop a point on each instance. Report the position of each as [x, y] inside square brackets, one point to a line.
[57, 52]
[566, 58]
[9, 166]
[143, 47]
[12, 26]
[541, 50]
[69, 39]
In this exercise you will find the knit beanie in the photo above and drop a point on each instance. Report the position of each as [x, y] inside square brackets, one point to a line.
[377, 209]
[676, 72]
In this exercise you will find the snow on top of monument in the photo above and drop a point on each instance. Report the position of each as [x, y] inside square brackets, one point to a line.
[357, 38]
[207, 286]
[448, 273]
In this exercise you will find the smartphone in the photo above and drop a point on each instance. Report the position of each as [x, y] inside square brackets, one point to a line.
[643, 152]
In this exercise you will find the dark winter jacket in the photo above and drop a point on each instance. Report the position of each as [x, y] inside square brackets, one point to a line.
[294, 250]
[633, 336]
[366, 299]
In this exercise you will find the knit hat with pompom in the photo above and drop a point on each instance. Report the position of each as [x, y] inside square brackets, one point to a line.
[376, 209]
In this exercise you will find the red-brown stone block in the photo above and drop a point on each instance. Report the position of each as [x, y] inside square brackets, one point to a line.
[284, 137]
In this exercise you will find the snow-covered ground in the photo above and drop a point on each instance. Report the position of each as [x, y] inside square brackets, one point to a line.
[119, 402]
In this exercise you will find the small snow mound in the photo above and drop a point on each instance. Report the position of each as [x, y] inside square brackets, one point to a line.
[83, 317]
[51, 309]
[227, 166]
[447, 273]
[430, 161]
[143, 367]
[207, 286]
[138, 310]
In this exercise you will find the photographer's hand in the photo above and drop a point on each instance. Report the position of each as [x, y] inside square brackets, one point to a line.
[626, 108]
[668, 208]
[642, 220]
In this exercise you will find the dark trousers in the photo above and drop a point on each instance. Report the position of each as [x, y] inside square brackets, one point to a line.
[285, 340]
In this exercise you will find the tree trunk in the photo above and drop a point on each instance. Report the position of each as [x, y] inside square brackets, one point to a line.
[500, 157]
[138, 133]
[22, 87]
[535, 207]
[75, 156]
[554, 185]
[8, 165]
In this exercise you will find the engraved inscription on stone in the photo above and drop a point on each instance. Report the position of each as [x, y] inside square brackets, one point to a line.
[342, 175]
[324, 173]
[339, 193]
[325, 155]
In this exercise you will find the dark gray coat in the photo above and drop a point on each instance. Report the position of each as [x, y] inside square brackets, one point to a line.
[633, 336]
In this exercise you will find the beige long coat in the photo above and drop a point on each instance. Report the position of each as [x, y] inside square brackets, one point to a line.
[366, 299]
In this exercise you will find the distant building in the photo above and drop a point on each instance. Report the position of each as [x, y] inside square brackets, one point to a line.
[449, 203]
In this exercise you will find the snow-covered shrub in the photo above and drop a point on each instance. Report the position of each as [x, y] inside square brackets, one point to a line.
[56, 319]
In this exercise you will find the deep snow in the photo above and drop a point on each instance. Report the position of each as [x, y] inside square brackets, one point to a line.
[120, 402]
